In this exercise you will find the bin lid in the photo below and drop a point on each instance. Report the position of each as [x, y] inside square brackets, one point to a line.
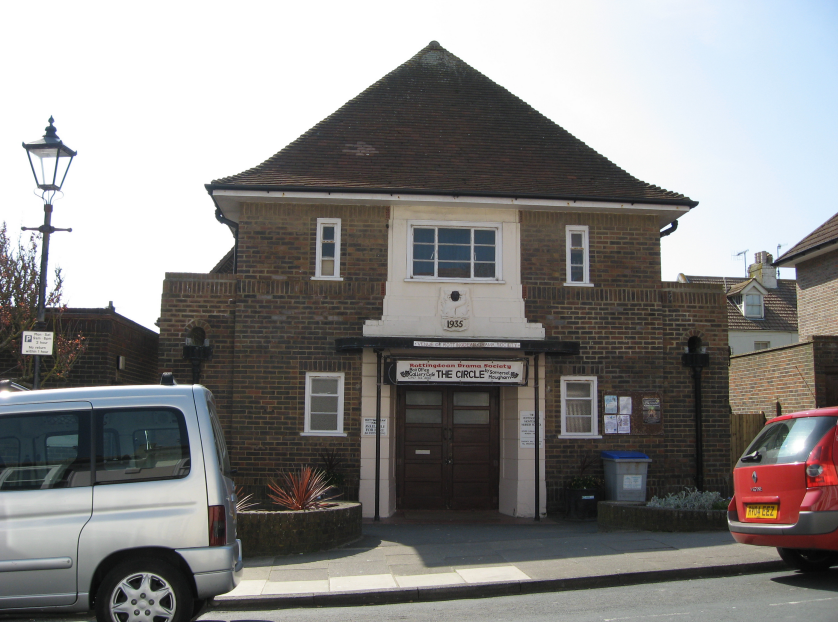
[634, 456]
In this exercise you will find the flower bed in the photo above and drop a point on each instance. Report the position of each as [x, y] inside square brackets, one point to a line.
[620, 515]
[266, 533]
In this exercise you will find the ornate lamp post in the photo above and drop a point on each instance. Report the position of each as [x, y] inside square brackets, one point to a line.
[50, 160]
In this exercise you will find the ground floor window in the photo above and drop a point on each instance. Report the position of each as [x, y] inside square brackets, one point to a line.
[324, 404]
[579, 406]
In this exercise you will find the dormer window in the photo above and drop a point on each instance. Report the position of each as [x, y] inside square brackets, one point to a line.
[749, 298]
[753, 306]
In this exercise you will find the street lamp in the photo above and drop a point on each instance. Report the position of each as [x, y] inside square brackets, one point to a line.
[50, 160]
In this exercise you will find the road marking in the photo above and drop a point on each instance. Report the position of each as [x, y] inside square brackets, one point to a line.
[647, 617]
[802, 602]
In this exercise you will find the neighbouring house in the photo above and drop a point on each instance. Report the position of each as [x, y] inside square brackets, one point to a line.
[118, 351]
[761, 309]
[439, 257]
[803, 375]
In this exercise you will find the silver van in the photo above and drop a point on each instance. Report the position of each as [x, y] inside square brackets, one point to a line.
[117, 499]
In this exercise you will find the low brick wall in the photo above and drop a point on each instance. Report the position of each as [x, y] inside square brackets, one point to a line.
[616, 516]
[285, 533]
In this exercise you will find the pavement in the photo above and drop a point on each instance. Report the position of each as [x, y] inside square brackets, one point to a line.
[433, 557]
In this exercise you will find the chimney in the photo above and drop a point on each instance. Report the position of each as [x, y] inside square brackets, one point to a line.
[763, 271]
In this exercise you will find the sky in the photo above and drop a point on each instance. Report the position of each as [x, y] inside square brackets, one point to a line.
[731, 103]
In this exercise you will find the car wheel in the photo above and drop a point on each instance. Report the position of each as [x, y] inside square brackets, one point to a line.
[809, 560]
[147, 590]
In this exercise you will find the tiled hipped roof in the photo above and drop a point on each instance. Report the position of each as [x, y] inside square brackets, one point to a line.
[436, 125]
[780, 305]
[826, 234]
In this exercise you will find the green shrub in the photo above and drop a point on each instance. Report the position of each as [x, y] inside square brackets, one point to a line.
[690, 499]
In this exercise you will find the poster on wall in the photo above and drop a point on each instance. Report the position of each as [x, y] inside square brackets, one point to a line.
[624, 424]
[651, 410]
[610, 424]
[625, 405]
[610, 404]
[369, 426]
[527, 432]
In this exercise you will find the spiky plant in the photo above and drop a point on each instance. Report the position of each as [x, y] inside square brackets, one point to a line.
[244, 501]
[301, 491]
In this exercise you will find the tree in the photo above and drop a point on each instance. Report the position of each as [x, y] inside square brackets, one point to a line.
[19, 267]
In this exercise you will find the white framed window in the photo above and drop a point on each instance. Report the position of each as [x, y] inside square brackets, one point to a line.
[324, 404]
[753, 307]
[577, 256]
[327, 262]
[762, 345]
[580, 415]
[454, 251]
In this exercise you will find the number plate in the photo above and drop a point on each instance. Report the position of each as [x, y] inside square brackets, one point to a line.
[761, 511]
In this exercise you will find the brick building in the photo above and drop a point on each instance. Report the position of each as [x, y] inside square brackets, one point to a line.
[438, 254]
[118, 351]
[761, 309]
[805, 375]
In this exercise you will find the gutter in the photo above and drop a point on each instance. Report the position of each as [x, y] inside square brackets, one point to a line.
[523, 195]
[670, 230]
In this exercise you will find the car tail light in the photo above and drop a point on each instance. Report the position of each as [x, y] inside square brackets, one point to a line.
[820, 467]
[217, 525]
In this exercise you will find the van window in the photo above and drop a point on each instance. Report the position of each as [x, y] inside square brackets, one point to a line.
[218, 435]
[141, 445]
[792, 440]
[42, 451]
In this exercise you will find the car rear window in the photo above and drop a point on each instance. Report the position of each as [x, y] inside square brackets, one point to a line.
[788, 441]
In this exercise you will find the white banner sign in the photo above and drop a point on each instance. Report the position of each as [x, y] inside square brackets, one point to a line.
[38, 343]
[499, 372]
[369, 426]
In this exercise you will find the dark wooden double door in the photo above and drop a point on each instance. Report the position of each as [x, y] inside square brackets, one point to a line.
[448, 448]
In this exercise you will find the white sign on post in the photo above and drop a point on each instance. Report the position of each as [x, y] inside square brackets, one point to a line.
[37, 343]
[527, 434]
[369, 426]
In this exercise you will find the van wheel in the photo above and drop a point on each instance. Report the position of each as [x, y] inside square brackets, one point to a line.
[147, 590]
[809, 560]
[199, 607]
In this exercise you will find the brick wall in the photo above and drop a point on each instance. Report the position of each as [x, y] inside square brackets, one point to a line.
[794, 375]
[758, 380]
[632, 330]
[271, 323]
[817, 296]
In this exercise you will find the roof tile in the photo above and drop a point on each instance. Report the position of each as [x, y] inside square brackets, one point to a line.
[436, 125]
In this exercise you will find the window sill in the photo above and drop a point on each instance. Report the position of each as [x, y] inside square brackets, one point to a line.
[322, 433]
[586, 436]
[327, 278]
[579, 284]
[432, 280]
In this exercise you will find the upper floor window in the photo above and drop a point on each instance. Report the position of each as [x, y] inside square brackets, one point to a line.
[753, 306]
[454, 251]
[328, 249]
[324, 404]
[577, 255]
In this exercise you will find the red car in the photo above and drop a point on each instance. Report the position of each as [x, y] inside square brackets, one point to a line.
[786, 490]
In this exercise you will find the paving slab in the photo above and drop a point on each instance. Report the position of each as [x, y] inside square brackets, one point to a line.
[423, 561]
